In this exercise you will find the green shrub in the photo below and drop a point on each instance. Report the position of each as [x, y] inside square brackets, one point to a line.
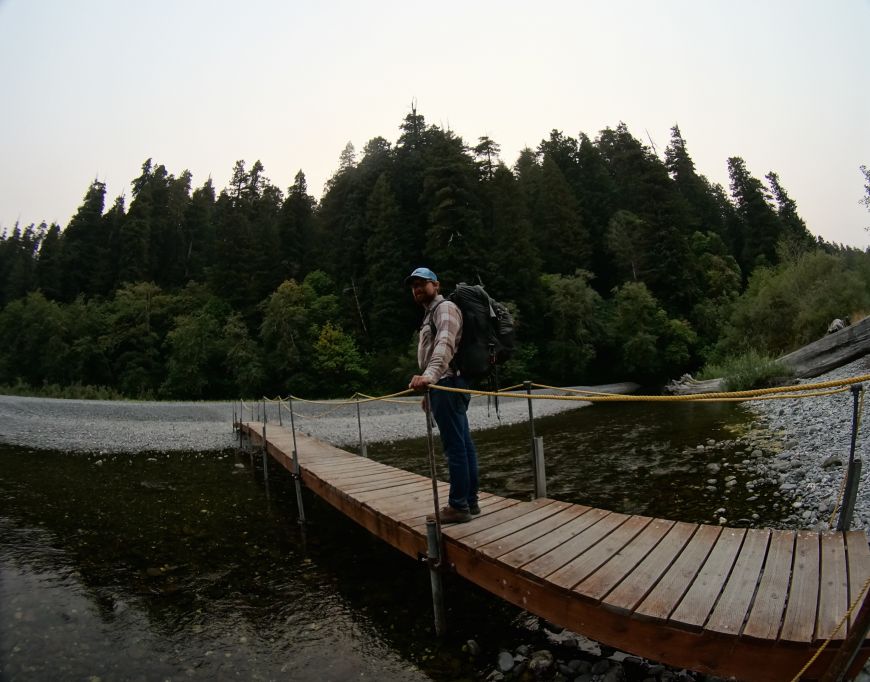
[747, 371]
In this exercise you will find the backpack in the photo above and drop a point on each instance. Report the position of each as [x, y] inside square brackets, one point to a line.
[487, 332]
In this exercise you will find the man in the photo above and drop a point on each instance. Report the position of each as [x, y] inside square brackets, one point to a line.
[434, 353]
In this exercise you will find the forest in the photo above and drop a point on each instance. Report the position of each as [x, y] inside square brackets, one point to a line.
[618, 264]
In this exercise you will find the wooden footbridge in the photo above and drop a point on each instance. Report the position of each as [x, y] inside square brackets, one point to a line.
[754, 604]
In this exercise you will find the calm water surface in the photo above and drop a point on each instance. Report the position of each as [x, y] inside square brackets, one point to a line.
[184, 566]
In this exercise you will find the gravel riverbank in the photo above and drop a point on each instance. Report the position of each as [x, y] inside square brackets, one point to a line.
[135, 426]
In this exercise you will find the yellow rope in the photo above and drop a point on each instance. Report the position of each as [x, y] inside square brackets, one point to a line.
[352, 400]
[578, 391]
[784, 396]
[413, 401]
[666, 398]
[848, 614]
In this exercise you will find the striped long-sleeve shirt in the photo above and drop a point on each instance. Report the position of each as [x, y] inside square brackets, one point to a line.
[434, 353]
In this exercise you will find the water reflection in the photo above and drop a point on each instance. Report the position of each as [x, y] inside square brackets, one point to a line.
[635, 458]
[181, 565]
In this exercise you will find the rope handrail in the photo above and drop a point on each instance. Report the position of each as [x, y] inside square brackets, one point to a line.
[613, 397]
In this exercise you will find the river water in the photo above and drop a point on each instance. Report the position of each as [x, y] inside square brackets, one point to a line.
[186, 566]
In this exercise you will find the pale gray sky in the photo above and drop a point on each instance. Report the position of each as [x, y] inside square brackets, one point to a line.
[92, 88]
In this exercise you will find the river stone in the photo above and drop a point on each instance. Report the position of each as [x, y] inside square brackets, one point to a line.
[473, 648]
[505, 662]
[832, 461]
[757, 453]
[540, 662]
[600, 667]
[615, 674]
[713, 468]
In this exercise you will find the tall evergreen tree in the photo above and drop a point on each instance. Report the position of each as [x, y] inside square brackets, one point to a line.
[455, 229]
[796, 238]
[49, 265]
[646, 190]
[760, 226]
[85, 252]
[296, 230]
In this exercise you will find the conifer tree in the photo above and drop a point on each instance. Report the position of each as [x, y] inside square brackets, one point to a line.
[760, 227]
[85, 245]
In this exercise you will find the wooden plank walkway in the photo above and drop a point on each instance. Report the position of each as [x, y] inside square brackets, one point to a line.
[753, 604]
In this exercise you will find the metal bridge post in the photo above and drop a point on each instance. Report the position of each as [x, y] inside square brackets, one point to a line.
[265, 451]
[528, 387]
[363, 449]
[433, 557]
[540, 468]
[853, 470]
[297, 479]
[280, 404]
[433, 527]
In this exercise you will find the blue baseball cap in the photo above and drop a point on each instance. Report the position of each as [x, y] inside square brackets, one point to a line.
[421, 273]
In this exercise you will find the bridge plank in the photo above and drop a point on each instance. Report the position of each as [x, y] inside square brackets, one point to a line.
[487, 507]
[697, 603]
[553, 560]
[623, 562]
[635, 587]
[503, 516]
[765, 615]
[487, 535]
[581, 567]
[800, 613]
[408, 488]
[530, 551]
[859, 565]
[531, 533]
[833, 586]
[731, 609]
[380, 483]
[662, 599]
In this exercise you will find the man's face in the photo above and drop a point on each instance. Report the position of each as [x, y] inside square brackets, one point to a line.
[423, 290]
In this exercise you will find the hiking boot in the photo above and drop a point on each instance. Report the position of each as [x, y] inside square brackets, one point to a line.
[474, 509]
[451, 515]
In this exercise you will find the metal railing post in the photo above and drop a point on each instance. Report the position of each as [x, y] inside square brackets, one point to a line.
[853, 470]
[528, 387]
[433, 527]
[363, 449]
[297, 479]
[265, 451]
[280, 404]
[433, 557]
[540, 468]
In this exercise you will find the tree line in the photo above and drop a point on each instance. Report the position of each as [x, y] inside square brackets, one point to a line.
[618, 264]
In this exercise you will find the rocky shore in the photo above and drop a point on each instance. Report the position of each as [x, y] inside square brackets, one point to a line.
[802, 445]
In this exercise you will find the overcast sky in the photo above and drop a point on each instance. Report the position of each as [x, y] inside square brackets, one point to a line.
[93, 88]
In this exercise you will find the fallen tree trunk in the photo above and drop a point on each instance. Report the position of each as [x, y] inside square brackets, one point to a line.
[831, 351]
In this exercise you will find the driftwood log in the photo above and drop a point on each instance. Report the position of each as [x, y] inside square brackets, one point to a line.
[818, 357]
[831, 351]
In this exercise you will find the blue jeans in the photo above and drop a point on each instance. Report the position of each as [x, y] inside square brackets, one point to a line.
[450, 413]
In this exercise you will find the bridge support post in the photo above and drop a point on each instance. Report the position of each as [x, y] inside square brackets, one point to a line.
[363, 450]
[433, 556]
[540, 468]
[297, 480]
[853, 470]
[528, 387]
[265, 453]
